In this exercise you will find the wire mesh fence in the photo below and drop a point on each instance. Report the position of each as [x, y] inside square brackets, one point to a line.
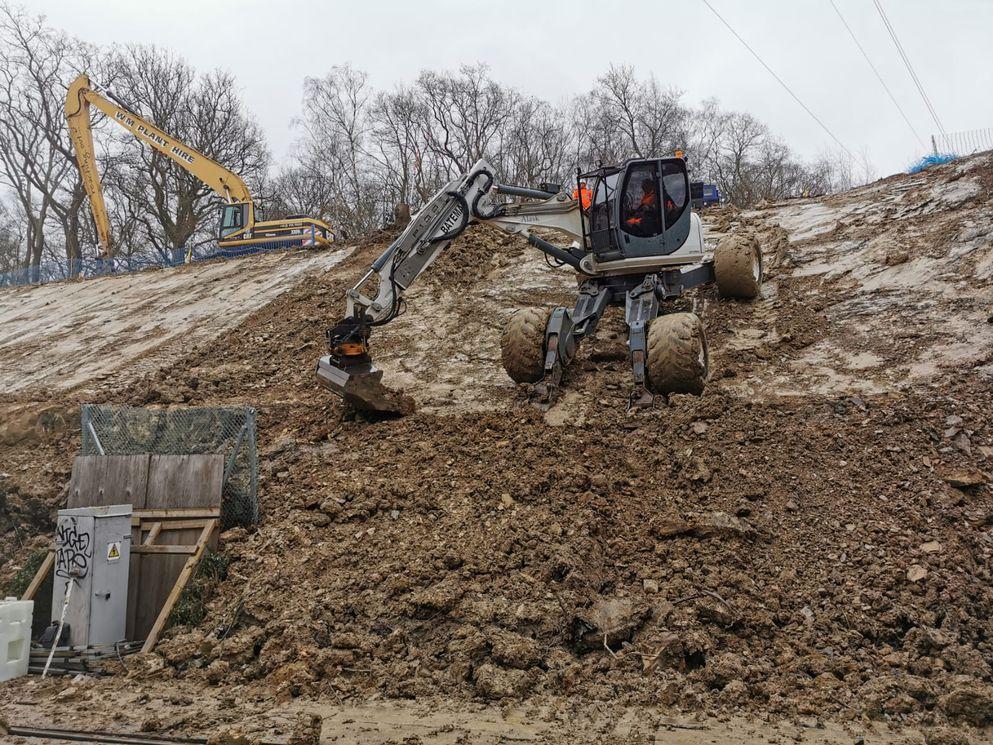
[963, 143]
[228, 431]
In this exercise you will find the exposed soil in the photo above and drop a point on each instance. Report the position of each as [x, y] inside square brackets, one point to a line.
[810, 539]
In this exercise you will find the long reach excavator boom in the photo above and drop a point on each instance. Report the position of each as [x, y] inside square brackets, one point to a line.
[238, 225]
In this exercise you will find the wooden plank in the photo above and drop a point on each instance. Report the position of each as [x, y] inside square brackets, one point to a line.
[134, 582]
[168, 525]
[202, 513]
[159, 549]
[153, 533]
[178, 587]
[184, 481]
[39, 576]
[100, 480]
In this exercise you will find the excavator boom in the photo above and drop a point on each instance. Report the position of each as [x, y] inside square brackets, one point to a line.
[239, 227]
[348, 369]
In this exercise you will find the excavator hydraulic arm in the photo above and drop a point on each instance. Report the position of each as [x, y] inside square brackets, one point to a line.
[348, 369]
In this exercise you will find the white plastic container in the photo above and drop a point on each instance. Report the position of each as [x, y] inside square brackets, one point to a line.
[15, 637]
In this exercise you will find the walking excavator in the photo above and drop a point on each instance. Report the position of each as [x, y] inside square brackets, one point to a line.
[634, 241]
[238, 229]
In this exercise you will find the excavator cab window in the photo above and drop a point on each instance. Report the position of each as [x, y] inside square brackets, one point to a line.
[652, 209]
[641, 215]
[676, 191]
[232, 218]
[601, 214]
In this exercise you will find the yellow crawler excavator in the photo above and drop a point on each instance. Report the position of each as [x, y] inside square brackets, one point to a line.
[238, 227]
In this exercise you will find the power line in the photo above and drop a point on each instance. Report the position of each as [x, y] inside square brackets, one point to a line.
[910, 69]
[878, 76]
[779, 80]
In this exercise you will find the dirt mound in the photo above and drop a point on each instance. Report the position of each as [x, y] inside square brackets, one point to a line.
[811, 537]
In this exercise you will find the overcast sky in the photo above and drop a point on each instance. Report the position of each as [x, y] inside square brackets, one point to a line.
[554, 49]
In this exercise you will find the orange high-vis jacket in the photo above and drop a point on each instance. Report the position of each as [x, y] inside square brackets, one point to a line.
[584, 195]
[647, 200]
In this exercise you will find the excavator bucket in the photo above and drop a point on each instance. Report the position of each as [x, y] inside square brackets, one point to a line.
[348, 371]
[361, 389]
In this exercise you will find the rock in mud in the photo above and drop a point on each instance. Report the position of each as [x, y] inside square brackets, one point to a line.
[34, 426]
[965, 478]
[493, 682]
[970, 702]
[514, 650]
[231, 737]
[182, 647]
[946, 736]
[715, 524]
[609, 622]
[306, 730]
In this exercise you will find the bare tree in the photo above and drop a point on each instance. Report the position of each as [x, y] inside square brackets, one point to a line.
[334, 151]
[30, 166]
[465, 114]
[538, 144]
[10, 245]
[398, 148]
[623, 117]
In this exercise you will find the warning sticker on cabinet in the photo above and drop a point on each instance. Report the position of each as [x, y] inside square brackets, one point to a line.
[114, 551]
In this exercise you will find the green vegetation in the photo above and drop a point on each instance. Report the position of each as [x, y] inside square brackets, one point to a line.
[191, 608]
[17, 584]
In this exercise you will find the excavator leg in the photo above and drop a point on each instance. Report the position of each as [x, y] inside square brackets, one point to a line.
[641, 308]
[565, 331]
[537, 345]
[560, 348]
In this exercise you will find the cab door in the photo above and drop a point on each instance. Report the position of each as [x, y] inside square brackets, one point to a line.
[234, 218]
[675, 203]
[642, 231]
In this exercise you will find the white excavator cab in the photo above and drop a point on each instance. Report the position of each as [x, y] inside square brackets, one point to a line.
[640, 209]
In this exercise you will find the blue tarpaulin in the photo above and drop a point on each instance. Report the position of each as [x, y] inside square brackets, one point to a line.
[934, 159]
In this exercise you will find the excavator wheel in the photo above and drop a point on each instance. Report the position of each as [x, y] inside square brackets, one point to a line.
[678, 361]
[522, 346]
[738, 267]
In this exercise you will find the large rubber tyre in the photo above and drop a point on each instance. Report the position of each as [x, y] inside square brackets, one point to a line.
[738, 267]
[522, 346]
[678, 361]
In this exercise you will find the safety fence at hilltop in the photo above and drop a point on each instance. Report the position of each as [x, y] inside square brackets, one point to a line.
[963, 143]
[59, 271]
[951, 145]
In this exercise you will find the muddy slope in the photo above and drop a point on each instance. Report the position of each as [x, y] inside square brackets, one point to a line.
[811, 537]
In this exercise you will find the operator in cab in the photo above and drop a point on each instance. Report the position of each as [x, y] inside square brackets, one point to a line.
[643, 219]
